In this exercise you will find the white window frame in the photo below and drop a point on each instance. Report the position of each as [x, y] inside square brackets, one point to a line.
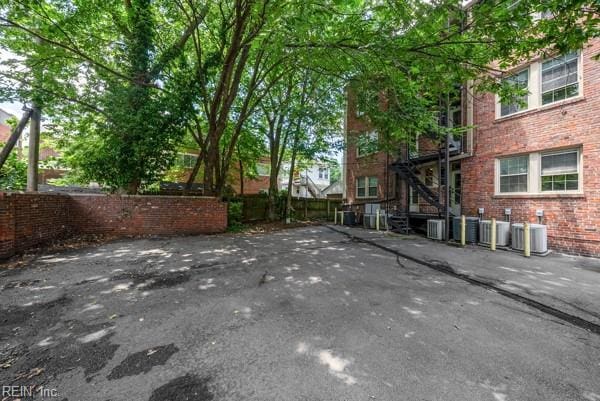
[579, 189]
[534, 173]
[579, 80]
[498, 175]
[528, 69]
[534, 100]
[367, 186]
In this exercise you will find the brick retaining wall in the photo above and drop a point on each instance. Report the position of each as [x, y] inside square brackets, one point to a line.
[28, 220]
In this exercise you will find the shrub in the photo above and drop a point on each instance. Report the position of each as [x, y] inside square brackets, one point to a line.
[235, 215]
[13, 176]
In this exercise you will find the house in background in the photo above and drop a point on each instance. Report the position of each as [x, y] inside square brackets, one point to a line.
[537, 160]
[186, 159]
[309, 182]
[5, 129]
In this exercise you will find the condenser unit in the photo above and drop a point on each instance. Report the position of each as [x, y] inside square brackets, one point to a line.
[436, 229]
[502, 232]
[472, 225]
[369, 220]
[538, 237]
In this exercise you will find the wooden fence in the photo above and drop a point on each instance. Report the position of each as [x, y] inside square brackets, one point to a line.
[255, 208]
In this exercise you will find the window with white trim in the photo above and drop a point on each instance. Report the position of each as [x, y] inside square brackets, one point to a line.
[560, 171]
[263, 169]
[367, 144]
[540, 173]
[560, 78]
[366, 187]
[518, 103]
[514, 173]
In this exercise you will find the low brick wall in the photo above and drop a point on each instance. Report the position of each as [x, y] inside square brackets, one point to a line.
[147, 215]
[28, 220]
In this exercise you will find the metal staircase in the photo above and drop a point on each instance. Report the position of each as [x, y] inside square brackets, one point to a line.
[406, 169]
[399, 223]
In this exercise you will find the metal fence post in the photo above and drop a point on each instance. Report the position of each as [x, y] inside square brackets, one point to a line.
[493, 236]
[463, 230]
[526, 239]
[377, 221]
[335, 217]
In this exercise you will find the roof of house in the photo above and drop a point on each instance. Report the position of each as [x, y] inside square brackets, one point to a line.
[4, 133]
[334, 188]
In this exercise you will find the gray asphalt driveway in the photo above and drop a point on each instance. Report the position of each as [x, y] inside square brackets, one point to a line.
[303, 314]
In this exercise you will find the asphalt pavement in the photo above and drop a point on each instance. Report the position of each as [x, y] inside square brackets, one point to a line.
[304, 314]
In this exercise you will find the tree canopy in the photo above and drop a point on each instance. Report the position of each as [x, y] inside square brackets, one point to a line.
[123, 82]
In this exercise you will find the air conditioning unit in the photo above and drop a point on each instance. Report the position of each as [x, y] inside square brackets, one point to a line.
[538, 237]
[436, 229]
[472, 224]
[502, 232]
[369, 220]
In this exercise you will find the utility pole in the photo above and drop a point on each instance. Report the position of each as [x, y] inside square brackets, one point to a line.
[447, 163]
[34, 149]
[34, 134]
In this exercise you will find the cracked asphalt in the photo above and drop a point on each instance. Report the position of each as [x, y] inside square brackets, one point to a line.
[302, 314]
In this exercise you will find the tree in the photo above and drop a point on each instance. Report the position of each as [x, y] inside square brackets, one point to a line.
[113, 67]
[13, 176]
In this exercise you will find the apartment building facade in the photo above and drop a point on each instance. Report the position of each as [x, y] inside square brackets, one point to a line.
[535, 160]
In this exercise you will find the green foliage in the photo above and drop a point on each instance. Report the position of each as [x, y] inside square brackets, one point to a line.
[235, 214]
[123, 84]
[13, 176]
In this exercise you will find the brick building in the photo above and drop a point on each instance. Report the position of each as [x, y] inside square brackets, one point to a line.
[541, 157]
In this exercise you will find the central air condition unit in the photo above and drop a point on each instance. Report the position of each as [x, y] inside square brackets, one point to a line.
[436, 229]
[502, 232]
[538, 237]
[472, 224]
[369, 220]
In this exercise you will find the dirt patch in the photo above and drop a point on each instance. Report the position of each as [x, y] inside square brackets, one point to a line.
[30, 319]
[152, 280]
[19, 284]
[37, 365]
[143, 361]
[269, 227]
[184, 388]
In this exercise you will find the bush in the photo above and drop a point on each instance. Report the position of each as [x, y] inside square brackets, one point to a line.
[235, 213]
[13, 176]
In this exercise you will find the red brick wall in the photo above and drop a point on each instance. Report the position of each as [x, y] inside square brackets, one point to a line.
[374, 165]
[27, 220]
[147, 215]
[573, 221]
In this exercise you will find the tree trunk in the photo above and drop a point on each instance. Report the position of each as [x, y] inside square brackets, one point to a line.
[241, 178]
[14, 137]
[288, 203]
[194, 173]
[34, 149]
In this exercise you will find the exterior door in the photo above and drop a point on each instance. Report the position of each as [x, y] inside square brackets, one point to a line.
[414, 200]
[455, 194]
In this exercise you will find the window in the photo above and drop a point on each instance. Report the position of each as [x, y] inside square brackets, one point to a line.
[186, 160]
[366, 187]
[560, 78]
[518, 103]
[429, 177]
[263, 169]
[560, 171]
[323, 173]
[514, 174]
[367, 144]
